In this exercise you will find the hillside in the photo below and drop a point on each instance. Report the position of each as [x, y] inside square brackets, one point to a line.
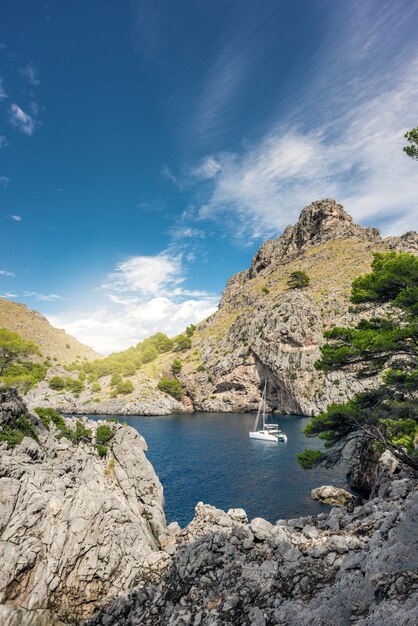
[262, 329]
[54, 343]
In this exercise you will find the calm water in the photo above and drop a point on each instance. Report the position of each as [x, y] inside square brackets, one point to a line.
[209, 457]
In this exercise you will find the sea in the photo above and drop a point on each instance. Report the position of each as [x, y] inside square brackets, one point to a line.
[209, 457]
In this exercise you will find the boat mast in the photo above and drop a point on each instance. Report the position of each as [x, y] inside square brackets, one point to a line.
[259, 409]
[264, 402]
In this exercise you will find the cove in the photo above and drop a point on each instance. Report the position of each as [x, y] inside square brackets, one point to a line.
[209, 457]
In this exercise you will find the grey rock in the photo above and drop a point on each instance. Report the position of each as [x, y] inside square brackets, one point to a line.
[261, 528]
[75, 528]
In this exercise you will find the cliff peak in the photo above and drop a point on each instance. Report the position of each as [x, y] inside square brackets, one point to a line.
[319, 222]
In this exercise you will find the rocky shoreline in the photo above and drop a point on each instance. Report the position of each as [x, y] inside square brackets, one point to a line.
[358, 567]
[84, 540]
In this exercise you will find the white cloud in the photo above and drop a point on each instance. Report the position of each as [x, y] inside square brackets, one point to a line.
[109, 331]
[6, 273]
[146, 275]
[4, 181]
[22, 121]
[15, 218]
[208, 168]
[8, 294]
[262, 189]
[30, 72]
[145, 295]
[3, 141]
[3, 94]
[40, 297]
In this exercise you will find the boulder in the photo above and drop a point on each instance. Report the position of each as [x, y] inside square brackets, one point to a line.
[335, 496]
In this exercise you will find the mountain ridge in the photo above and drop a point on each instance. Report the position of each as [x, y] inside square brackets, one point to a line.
[262, 329]
[55, 343]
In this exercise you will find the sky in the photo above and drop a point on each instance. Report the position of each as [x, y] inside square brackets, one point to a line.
[148, 148]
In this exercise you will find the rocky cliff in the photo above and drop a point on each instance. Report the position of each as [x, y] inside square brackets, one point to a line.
[358, 567]
[263, 329]
[76, 527]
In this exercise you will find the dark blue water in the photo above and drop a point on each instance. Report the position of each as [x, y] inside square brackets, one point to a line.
[209, 457]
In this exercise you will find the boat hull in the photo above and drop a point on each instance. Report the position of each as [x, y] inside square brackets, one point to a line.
[263, 435]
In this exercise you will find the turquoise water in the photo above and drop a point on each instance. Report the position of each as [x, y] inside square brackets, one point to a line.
[209, 457]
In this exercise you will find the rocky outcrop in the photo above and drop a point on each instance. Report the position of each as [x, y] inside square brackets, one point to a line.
[76, 527]
[145, 398]
[337, 568]
[263, 329]
[335, 496]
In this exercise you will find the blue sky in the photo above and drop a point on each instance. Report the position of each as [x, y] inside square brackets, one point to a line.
[148, 148]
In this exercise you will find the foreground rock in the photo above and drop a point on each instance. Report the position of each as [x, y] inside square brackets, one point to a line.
[75, 528]
[342, 568]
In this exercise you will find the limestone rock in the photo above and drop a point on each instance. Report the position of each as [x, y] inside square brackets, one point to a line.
[264, 330]
[75, 528]
[336, 496]
[305, 571]
[261, 528]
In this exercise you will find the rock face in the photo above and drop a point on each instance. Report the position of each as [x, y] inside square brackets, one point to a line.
[358, 568]
[75, 528]
[263, 329]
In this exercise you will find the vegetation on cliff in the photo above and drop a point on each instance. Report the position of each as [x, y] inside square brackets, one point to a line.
[385, 345]
[16, 367]
[412, 137]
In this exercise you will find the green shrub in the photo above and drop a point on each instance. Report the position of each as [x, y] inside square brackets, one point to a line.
[310, 458]
[57, 383]
[13, 432]
[47, 415]
[95, 388]
[74, 385]
[176, 366]
[115, 379]
[104, 433]
[124, 387]
[190, 330]
[101, 449]
[298, 280]
[80, 433]
[201, 368]
[173, 387]
[265, 289]
[182, 343]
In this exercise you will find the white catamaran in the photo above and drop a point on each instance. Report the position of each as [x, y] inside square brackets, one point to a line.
[268, 432]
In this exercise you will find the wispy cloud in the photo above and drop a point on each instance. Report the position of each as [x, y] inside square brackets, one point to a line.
[15, 218]
[206, 169]
[41, 297]
[31, 73]
[6, 273]
[3, 141]
[4, 181]
[168, 174]
[3, 94]
[8, 294]
[356, 158]
[22, 121]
